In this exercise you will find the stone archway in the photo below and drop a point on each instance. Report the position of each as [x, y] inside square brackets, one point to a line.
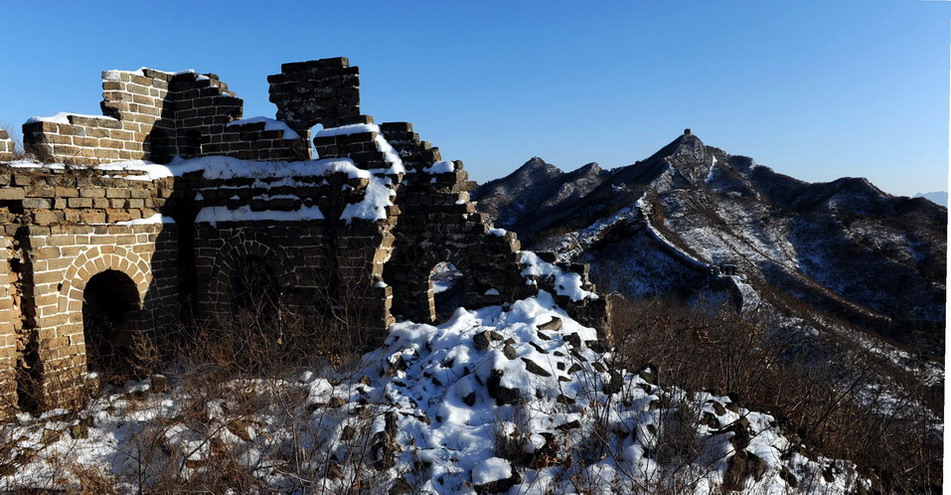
[248, 278]
[446, 290]
[96, 260]
[61, 332]
[254, 291]
[110, 312]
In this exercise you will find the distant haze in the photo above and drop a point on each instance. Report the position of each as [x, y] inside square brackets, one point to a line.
[937, 197]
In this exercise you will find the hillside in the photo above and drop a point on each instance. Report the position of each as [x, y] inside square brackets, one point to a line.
[695, 220]
[518, 399]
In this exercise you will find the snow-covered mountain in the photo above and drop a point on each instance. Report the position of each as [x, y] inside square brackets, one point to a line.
[692, 219]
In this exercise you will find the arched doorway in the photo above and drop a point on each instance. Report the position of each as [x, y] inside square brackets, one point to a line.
[447, 290]
[110, 309]
[255, 293]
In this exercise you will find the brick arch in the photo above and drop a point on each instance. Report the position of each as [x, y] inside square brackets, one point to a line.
[228, 259]
[413, 297]
[431, 258]
[470, 282]
[96, 260]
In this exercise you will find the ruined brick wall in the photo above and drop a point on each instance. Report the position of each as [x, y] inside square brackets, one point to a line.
[136, 114]
[6, 146]
[287, 221]
[354, 234]
[155, 115]
[253, 141]
[439, 223]
[62, 260]
[8, 333]
[203, 106]
[325, 92]
[63, 228]
[296, 221]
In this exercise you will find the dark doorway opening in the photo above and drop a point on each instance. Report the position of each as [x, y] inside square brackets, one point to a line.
[110, 310]
[448, 290]
[255, 293]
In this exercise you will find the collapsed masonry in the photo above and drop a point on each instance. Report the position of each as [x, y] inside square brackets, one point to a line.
[102, 247]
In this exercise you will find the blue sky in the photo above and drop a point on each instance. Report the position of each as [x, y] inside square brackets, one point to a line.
[814, 89]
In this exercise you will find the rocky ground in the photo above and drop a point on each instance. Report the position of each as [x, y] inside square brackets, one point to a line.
[516, 399]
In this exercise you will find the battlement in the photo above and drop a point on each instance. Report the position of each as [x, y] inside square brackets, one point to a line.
[154, 115]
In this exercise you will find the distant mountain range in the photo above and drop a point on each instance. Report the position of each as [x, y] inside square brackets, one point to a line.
[693, 221]
[937, 197]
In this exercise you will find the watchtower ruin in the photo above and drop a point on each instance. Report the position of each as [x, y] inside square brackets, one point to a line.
[150, 213]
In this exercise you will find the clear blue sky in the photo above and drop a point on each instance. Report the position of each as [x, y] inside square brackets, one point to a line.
[814, 89]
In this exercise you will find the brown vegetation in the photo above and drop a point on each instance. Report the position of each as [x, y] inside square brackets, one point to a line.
[831, 403]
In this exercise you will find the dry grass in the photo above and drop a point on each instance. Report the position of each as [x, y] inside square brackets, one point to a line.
[228, 374]
[814, 393]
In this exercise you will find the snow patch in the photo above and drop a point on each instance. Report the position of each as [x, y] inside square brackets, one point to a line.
[154, 219]
[372, 207]
[215, 214]
[441, 167]
[566, 284]
[63, 118]
[491, 469]
[389, 154]
[269, 125]
[115, 75]
[713, 163]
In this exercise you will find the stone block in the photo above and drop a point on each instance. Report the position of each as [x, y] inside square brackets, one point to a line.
[11, 193]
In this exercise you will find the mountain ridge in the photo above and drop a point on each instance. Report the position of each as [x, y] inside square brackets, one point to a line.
[844, 246]
[937, 197]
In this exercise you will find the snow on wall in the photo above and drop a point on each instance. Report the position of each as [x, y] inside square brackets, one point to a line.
[269, 125]
[565, 283]
[215, 214]
[224, 167]
[391, 156]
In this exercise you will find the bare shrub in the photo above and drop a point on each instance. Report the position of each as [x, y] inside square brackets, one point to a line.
[828, 401]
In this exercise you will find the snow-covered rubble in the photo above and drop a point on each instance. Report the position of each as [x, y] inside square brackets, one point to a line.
[514, 399]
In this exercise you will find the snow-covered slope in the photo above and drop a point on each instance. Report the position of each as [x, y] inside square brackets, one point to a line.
[537, 189]
[700, 215]
[518, 399]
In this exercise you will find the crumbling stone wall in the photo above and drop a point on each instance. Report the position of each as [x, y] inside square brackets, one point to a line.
[63, 261]
[155, 115]
[231, 225]
[325, 92]
[252, 141]
[8, 334]
[439, 223]
[64, 227]
[6, 146]
[136, 114]
[355, 233]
